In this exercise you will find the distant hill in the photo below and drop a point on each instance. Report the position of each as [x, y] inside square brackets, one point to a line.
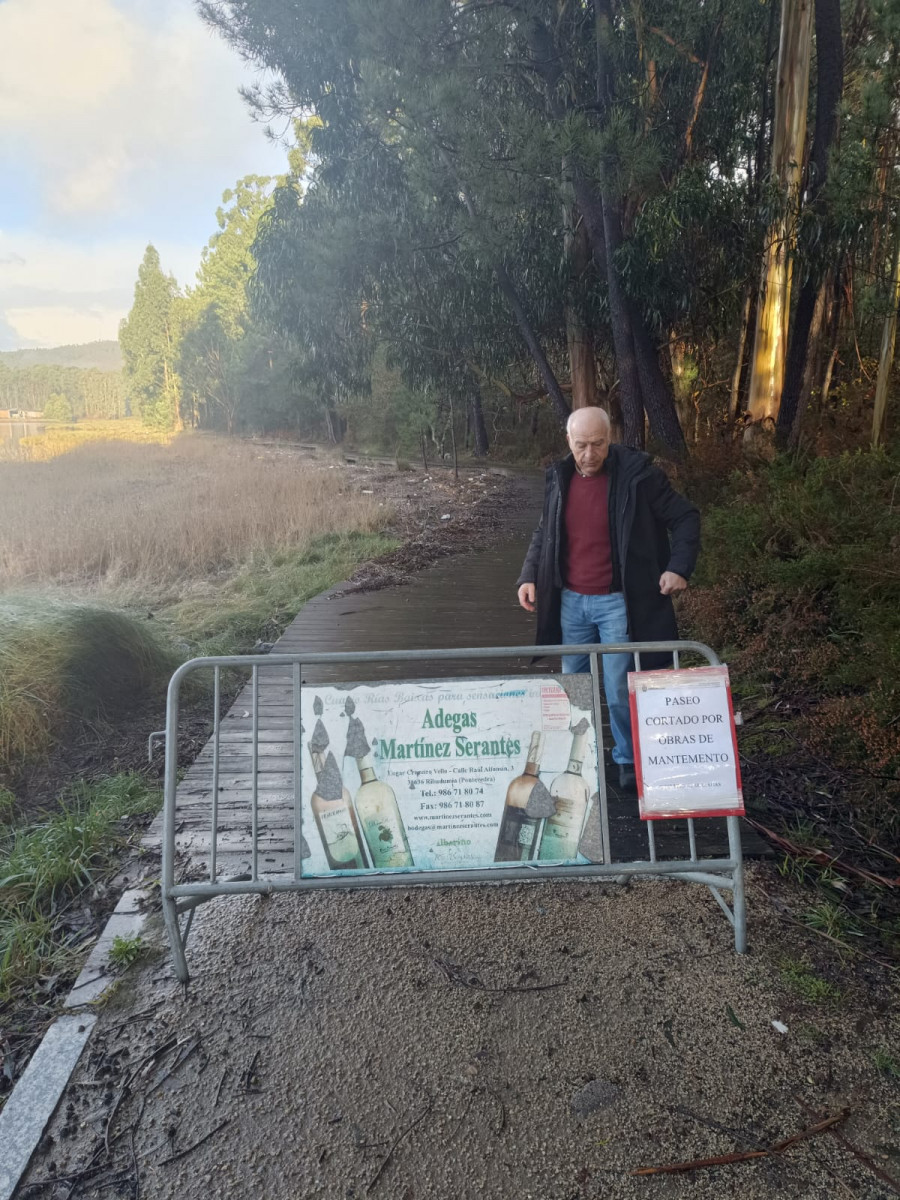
[104, 356]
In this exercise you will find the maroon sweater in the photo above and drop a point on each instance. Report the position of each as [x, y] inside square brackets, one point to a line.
[587, 562]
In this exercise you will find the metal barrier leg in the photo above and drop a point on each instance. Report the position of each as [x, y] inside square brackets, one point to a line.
[176, 941]
[169, 904]
[739, 903]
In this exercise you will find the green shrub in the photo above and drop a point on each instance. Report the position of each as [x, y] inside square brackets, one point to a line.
[797, 586]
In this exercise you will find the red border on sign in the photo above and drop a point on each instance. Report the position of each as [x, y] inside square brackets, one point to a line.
[636, 746]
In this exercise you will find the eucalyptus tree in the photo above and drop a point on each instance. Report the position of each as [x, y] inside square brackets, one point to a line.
[396, 76]
[213, 316]
[815, 241]
[373, 257]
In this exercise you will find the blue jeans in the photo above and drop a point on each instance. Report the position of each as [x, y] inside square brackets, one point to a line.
[587, 619]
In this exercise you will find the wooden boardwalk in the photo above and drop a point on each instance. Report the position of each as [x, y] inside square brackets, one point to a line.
[460, 602]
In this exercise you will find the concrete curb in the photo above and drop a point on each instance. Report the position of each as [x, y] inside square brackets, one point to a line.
[36, 1095]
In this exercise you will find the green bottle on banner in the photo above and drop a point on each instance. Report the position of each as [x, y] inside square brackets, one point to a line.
[520, 833]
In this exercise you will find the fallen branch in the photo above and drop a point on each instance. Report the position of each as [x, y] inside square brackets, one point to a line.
[249, 1075]
[855, 1150]
[193, 1146]
[387, 1158]
[126, 1086]
[136, 1191]
[463, 978]
[716, 1126]
[139, 1016]
[185, 1050]
[821, 858]
[745, 1155]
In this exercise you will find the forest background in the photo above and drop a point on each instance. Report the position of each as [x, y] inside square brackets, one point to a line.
[688, 212]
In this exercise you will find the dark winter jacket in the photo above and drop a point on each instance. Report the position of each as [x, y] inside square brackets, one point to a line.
[645, 512]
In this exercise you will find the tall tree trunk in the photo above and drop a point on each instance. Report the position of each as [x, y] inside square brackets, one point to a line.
[453, 440]
[630, 395]
[886, 361]
[829, 88]
[548, 378]
[735, 402]
[812, 367]
[582, 369]
[581, 361]
[834, 329]
[764, 105]
[659, 402]
[770, 342]
[476, 416]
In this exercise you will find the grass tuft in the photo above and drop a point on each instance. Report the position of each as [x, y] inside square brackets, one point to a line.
[125, 951]
[59, 662]
[44, 866]
[802, 979]
[886, 1063]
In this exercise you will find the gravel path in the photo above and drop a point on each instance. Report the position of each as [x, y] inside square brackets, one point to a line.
[513, 1041]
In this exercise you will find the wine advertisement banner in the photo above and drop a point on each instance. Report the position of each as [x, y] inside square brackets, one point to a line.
[448, 775]
[686, 755]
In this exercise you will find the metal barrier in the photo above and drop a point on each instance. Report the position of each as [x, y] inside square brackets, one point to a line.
[179, 900]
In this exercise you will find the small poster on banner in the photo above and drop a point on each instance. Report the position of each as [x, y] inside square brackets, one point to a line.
[686, 756]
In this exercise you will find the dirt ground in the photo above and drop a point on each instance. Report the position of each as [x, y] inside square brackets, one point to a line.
[512, 1041]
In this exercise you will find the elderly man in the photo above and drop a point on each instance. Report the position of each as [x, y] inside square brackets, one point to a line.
[601, 566]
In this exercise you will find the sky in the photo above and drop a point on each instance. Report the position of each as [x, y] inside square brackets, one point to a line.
[120, 124]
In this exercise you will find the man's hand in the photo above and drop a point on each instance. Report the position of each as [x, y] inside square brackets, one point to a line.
[669, 582]
[526, 596]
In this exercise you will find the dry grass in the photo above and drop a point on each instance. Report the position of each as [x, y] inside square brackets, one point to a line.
[147, 517]
[58, 440]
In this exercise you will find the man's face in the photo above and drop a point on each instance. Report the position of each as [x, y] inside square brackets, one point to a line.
[589, 446]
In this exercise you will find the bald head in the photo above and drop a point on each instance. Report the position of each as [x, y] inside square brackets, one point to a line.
[588, 421]
[588, 433]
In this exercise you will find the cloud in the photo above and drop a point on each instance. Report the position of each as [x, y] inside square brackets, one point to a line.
[10, 339]
[54, 293]
[61, 326]
[112, 103]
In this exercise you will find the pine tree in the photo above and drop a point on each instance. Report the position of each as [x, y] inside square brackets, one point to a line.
[147, 339]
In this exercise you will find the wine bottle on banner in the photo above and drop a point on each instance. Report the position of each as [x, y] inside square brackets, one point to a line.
[375, 802]
[525, 809]
[332, 807]
[570, 792]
